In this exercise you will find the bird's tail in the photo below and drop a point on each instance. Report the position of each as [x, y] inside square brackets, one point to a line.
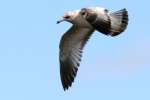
[119, 21]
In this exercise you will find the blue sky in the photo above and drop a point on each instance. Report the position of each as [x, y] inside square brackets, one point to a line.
[111, 68]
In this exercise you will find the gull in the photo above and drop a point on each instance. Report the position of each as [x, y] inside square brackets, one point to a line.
[84, 22]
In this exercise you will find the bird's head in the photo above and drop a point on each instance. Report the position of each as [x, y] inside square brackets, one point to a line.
[75, 17]
[69, 16]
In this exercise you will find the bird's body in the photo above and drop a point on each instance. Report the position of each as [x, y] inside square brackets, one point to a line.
[85, 22]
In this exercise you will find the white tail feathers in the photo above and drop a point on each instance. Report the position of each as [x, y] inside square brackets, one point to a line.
[118, 21]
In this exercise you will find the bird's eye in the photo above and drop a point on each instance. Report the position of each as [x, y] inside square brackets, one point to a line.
[83, 13]
[67, 17]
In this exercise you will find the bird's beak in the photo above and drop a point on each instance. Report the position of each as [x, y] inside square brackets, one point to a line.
[61, 20]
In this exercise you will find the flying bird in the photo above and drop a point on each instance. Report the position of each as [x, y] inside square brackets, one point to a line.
[84, 22]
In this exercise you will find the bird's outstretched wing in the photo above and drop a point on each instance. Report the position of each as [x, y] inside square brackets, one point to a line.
[108, 23]
[71, 46]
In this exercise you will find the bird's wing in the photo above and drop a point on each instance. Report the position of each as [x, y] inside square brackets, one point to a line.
[98, 18]
[71, 45]
[106, 22]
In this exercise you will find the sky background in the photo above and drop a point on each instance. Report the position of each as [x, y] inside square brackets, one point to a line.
[111, 69]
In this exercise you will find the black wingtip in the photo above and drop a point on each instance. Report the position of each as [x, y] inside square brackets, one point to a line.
[66, 86]
[68, 77]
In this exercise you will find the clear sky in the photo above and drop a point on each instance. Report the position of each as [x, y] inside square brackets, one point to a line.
[111, 68]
